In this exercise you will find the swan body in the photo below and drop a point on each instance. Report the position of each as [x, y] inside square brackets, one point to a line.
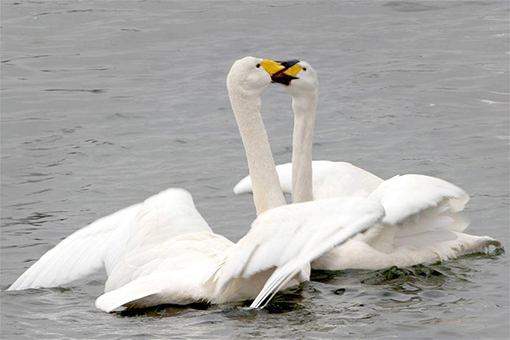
[422, 222]
[199, 265]
[162, 251]
[330, 179]
[422, 225]
[173, 257]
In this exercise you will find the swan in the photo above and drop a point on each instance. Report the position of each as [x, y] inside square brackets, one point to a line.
[162, 251]
[422, 222]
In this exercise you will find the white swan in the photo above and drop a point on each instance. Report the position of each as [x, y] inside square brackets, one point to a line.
[422, 223]
[163, 252]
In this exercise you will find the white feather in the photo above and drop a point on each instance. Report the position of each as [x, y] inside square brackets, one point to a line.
[172, 256]
[330, 180]
[203, 266]
[330, 223]
[82, 253]
[305, 230]
[408, 195]
[422, 222]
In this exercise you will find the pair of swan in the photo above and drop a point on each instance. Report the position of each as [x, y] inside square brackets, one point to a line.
[162, 251]
[422, 223]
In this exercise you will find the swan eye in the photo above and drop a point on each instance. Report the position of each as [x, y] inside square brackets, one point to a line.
[304, 68]
[258, 65]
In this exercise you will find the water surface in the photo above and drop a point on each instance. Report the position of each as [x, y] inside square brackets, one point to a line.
[105, 103]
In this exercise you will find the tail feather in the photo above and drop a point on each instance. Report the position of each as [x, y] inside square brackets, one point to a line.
[276, 282]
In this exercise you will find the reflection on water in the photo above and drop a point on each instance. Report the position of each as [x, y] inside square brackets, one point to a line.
[107, 102]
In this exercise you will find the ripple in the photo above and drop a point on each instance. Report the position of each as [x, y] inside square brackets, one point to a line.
[161, 117]
[77, 90]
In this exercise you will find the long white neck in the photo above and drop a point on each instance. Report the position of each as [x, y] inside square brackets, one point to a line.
[305, 108]
[267, 191]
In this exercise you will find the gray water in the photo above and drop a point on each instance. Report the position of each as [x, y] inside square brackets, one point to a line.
[105, 103]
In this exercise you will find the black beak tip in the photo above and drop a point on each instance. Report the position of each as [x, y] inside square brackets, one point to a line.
[288, 63]
[282, 78]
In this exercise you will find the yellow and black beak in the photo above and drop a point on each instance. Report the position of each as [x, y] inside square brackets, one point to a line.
[282, 72]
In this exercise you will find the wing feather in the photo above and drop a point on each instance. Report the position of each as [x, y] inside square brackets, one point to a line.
[161, 219]
[80, 254]
[404, 197]
[288, 238]
[104, 242]
[330, 180]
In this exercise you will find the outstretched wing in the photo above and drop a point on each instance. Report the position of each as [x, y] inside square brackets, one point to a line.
[104, 242]
[288, 238]
[330, 180]
[161, 219]
[82, 253]
[408, 195]
[420, 211]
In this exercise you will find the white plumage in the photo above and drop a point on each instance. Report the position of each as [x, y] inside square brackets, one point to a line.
[422, 225]
[172, 256]
[422, 222]
[84, 252]
[163, 252]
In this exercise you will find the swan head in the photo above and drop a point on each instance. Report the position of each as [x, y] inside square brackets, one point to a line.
[251, 75]
[299, 79]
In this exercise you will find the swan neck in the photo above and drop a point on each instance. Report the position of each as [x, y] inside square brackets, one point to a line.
[267, 192]
[305, 108]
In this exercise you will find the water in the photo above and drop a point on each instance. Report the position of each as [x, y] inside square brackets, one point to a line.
[107, 102]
